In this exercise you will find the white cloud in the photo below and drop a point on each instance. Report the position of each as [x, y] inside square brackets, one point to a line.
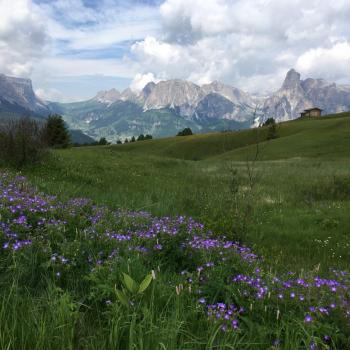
[247, 43]
[141, 80]
[22, 36]
[329, 63]
[48, 40]
[84, 28]
[70, 66]
[50, 94]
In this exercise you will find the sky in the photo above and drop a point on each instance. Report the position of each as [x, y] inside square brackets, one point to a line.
[73, 48]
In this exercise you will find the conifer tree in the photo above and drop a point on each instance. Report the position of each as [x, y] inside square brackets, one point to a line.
[103, 141]
[141, 137]
[55, 132]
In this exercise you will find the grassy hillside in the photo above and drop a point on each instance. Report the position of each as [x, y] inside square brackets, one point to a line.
[284, 285]
[298, 180]
[326, 137]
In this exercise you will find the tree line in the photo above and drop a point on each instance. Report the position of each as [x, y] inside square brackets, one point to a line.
[104, 142]
[25, 140]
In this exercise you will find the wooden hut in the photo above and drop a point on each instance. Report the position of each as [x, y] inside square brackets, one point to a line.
[311, 113]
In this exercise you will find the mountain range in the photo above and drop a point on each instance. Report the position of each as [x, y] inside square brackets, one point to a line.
[164, 108]
[17, 98]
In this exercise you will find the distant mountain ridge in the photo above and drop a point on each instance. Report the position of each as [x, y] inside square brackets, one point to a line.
[295, 95]
[17, 99]
[19, 93]
[182, 96]
[287, 103]
[163, 108]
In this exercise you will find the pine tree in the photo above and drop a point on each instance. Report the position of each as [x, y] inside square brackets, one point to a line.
[141, 137]
[269, 121]
[272, 131]
[103, 141]
[185, 132]
[55, 132]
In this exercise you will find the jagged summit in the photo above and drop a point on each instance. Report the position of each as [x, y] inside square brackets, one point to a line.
[107, 96]
[162, 107]
[174, 93]
[233, 94]
[292, 79]
[295, 95]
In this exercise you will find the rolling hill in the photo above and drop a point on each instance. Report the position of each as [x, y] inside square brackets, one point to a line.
[328, 137]
[302, 191]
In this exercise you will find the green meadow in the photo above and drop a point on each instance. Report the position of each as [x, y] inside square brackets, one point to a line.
[212, 241]
[291, 198]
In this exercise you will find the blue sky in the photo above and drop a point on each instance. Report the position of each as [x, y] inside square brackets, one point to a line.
[87, 34]
[73, 48]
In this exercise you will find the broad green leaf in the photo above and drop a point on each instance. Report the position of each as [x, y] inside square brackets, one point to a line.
[122, 297]
[132, 286]
[145, 283]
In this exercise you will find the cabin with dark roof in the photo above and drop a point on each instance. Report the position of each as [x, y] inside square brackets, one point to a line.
[311, 113]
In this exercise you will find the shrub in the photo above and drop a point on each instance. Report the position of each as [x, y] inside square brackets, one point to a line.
[21, 142]
[143, 137]
[185, 132]
[269, 121]
[56, 133]
[103, 142]
[272, 130]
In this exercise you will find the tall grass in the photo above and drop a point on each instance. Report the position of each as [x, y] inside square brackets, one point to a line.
[58, 289]
[63, 262]
[287, 219]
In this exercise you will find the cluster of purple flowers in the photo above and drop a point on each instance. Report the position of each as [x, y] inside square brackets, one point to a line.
[256, 283]
[16, 244]
[225, 314]
[210, 243]
[27, 217]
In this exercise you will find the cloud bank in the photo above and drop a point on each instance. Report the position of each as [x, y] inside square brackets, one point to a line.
[246, 43]
[22, 37]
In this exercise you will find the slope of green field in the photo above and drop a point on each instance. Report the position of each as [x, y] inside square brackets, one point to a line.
[300, 183]
[291, 206]
[327, 137]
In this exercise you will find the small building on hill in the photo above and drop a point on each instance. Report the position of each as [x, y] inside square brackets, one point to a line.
[312, 113]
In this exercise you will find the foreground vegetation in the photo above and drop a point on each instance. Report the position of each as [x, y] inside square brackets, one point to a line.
[262, 264]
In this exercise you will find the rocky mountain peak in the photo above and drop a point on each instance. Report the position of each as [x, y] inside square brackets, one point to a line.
[128, 95]
[217, 85]
[233, 94]
[207, 106]
[173, 93]
[289, 101]
[147, 90]
[20, 91]
[107, 96]
[17, 89]
[292, 80]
